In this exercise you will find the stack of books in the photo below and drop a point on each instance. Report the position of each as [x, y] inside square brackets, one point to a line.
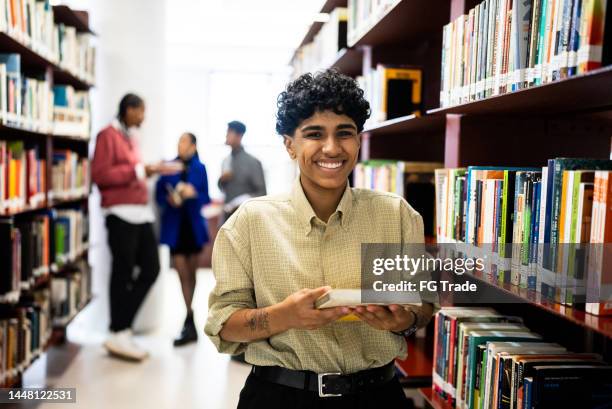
[71, 113]
[485, 360]
[25, 329]
[70, 175]
[22, 177]
[544, 228]
[70, 232]
[70, 292]
[502, 46]
[25, 102]
[31, 23]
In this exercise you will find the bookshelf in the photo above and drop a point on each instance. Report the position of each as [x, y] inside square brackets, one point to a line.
[68, 68]
[570, 117]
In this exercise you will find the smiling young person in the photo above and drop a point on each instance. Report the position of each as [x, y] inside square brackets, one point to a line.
[277, 254]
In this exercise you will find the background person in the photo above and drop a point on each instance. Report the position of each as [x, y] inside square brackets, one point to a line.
[118, 171]
[242, 175]
[183, 228]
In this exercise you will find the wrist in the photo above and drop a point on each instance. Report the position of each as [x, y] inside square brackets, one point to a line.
[279, 317]
[411, 329]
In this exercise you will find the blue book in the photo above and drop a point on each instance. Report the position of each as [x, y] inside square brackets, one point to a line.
[527, 388]
[60, 95]
[12, 62]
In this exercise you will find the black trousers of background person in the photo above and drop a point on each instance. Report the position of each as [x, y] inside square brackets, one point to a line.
[261, 394]
[134, 270]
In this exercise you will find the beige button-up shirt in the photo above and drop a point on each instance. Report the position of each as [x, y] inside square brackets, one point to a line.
[274, 246]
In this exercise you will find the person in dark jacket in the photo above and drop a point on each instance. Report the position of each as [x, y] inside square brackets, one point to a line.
[183, 228]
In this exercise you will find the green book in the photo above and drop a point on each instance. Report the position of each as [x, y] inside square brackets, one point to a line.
[477, 338]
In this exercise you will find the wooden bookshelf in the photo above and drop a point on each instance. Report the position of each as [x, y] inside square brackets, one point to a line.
[35, 64]
[348, 61]
[31, 60]
[75, 18]
[433, 400]
[588, 92]
[407, 22]
[567, 118]
[409, 124]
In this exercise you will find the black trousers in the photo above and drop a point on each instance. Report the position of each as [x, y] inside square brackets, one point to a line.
[258, 393]
[134, 270]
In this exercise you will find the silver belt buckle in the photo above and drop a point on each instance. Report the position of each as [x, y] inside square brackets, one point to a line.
[321, 385]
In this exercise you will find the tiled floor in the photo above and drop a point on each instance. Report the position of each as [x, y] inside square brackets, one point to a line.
[194, 376]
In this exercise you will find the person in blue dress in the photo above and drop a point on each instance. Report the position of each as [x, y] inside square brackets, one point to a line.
[183, 228]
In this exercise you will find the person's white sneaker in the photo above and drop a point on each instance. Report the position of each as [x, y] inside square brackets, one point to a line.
[121, 345]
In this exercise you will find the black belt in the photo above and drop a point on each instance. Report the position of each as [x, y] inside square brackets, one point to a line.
[326, 384]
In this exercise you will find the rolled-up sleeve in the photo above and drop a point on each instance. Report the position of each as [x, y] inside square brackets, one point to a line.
[233, 291]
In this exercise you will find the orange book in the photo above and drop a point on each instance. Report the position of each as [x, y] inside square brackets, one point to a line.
[600, 259]
[13, 6]
[12, 182]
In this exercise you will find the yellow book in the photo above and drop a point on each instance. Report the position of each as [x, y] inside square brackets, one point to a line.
[401, 91]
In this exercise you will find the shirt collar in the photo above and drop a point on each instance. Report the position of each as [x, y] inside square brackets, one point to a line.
[305, 212]
[118, 125]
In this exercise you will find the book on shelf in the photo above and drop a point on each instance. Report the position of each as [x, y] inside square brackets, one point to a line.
[501, 46]
[599, 264]
[322, 51]
[70, 175]
[393, 92]
[26, 102]
[35, 247]
[31, 23]
[363, 14]
[10, 268]
[484, 360]
[411, 180]
[544, 228]
[69, 235]
[71, 112]
[75, 53]
[22, 177]
[24, 330]
[70, 292]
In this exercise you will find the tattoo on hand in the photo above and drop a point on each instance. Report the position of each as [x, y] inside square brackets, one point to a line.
[257, 320]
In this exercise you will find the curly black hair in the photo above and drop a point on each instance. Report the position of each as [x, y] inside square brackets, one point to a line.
[327, 90]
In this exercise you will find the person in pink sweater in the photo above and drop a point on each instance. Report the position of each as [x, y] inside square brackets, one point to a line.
[120, 175]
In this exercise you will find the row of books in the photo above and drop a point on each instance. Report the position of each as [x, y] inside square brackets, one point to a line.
[69, 175]
[22, 177]
[502, 46]
[31, 22]
[364, 14]
[412, 180]
[31, 248]
[25, 329]
[70, 293]
[485, 360]
[70, 235]
[71, 112]
[392, 92]
[324, 48]
[25, 102]
[31, 103]
[531, 220]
